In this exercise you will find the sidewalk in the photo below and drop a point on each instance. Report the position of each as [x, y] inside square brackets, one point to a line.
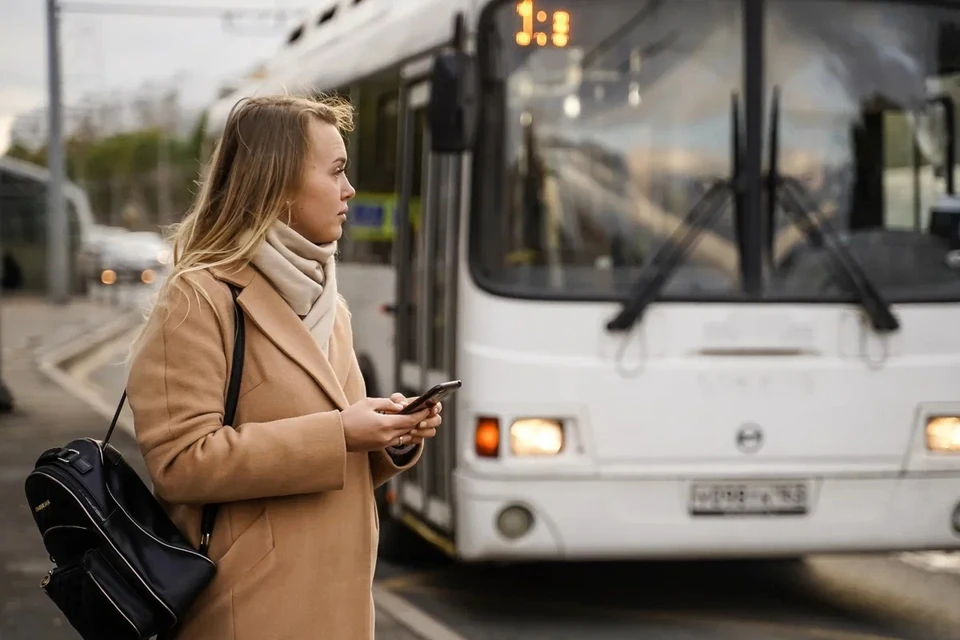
[46, 415]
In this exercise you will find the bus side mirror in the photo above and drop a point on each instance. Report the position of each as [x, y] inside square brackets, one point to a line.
[452, 112]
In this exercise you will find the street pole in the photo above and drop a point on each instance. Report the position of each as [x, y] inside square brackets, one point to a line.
[164, 198]
[57, 227]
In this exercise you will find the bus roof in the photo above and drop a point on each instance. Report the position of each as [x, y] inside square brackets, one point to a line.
[344, 41]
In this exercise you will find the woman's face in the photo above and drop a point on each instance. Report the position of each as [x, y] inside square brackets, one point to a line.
[320, 205]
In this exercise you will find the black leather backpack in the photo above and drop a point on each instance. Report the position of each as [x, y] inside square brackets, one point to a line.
[122, 568]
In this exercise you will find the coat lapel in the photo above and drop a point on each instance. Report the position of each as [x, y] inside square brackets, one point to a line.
[278, 322]
[341, 347]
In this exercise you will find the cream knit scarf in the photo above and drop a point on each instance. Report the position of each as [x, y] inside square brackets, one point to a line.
[305, 276]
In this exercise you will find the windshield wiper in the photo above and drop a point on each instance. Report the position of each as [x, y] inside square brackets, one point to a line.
[670, 255]
[799, 204]
[655, 275]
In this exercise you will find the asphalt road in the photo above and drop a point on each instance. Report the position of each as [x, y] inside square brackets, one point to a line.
[826, 599]
[860, 598]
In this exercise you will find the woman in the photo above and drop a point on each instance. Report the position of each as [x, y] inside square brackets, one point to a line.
[296, 538]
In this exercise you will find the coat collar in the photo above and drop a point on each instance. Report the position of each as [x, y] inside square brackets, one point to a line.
[270, 312]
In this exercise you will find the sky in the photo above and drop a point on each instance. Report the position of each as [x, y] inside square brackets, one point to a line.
[119, 54]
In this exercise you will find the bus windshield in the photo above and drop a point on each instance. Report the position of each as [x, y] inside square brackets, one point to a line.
[604, 121]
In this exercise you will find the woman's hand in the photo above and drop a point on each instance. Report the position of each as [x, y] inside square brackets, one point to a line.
[427, 428]
[373, 424]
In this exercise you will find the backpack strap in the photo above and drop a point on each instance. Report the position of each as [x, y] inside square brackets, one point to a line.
[229, 410]
[209, 517]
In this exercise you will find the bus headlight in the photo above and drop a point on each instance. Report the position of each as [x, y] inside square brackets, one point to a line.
[943, 434]
[108, 276]
[536, 437]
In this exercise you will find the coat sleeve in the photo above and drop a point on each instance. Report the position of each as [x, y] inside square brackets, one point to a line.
[176, 388]
[384, 466]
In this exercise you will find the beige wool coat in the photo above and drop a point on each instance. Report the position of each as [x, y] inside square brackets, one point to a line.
[295, 541]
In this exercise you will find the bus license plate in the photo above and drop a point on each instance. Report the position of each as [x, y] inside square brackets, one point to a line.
[748, 498]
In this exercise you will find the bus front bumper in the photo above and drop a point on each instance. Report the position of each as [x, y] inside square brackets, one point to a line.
[598, 519]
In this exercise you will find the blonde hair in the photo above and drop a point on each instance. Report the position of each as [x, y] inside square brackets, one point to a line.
[253, 176]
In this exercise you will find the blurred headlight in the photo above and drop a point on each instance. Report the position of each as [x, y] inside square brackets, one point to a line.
[108, 276]
[163, 256]
[536, 437]
[943, 434]
[148, 276]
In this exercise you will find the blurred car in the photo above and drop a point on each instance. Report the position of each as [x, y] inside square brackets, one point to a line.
[88, 257]
[135, 257]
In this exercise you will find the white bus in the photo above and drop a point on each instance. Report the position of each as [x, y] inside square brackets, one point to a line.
[597, 214]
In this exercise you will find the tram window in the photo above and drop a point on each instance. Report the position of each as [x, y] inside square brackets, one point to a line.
[73, 222]
[24, 210]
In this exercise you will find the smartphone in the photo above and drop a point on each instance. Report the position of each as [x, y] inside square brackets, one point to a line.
[433, 396]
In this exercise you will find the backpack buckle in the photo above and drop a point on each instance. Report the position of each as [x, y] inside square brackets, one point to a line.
[73, 458]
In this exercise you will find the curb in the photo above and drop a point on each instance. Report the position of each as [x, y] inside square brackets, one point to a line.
[51, 364]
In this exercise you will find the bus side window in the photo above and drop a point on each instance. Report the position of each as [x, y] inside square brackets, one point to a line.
[369, 234]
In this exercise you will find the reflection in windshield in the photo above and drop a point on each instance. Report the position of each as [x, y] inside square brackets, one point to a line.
[603, 158]
[858, 127]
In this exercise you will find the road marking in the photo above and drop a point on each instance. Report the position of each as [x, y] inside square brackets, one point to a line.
[945, 562]
[889, 590]
[688, 618]
[32, 567]
[414, 619]
[112, 353]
